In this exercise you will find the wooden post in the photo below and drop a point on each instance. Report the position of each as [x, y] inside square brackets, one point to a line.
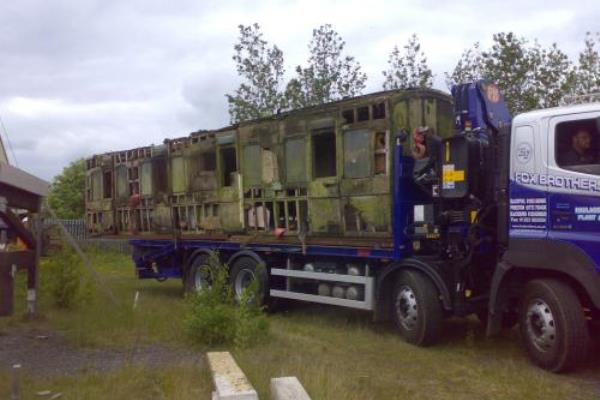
[6, 290]
[16, 382]
[6, 277]
[33, 270]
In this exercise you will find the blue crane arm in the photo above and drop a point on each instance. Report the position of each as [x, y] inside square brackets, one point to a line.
[480, 107]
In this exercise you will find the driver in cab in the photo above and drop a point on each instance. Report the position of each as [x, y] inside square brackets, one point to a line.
[580, 152]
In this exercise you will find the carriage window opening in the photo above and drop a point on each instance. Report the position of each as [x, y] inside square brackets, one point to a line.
[229, 165]
[208, 161]
[380, 153]
[324, 152]
[363, 113]
[107, 184]
[379, 110]
[348, 116]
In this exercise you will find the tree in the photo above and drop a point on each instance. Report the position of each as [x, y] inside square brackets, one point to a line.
[408, 70]
[529, 76]
[553, 77]
[66, 195]
[468, 68]
[588, 70]
[260, 94]
[330, 74]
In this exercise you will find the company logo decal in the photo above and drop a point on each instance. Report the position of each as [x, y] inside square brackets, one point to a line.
[524, 152]
[492, 93]
[557, 181]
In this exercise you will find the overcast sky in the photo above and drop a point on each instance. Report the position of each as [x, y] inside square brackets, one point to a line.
[89, 76]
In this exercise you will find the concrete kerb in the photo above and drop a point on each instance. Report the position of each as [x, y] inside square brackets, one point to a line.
[288, 388]
[230, 381]
[232, 384]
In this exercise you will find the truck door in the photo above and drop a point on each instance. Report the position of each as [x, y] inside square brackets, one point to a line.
[573, 181]
[528, 197]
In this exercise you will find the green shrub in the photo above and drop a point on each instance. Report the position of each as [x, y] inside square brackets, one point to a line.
[64, 277]
[214, 316]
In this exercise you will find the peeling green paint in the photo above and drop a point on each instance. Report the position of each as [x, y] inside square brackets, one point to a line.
[324, 216]
[178, 176]
[374, 211]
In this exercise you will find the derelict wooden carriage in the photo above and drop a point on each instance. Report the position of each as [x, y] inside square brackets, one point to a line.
[323, 172]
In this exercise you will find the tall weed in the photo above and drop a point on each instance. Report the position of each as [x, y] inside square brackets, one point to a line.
[66, 281]
[214, 316]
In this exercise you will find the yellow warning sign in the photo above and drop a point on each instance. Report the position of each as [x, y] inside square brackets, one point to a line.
[450, 176]
[453, 176]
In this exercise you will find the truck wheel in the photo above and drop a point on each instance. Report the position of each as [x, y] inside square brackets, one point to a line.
[417, 311]
[244, 271]
[553, 326]
[196, 276]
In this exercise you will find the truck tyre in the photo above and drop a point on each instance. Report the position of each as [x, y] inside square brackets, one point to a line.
[553, 326]
[417, 311]
[243, 272]
[196, 275]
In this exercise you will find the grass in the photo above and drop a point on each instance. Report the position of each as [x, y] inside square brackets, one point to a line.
[129, 382]
[336, 353]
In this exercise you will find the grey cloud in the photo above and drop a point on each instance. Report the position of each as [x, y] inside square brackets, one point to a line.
[101, 75]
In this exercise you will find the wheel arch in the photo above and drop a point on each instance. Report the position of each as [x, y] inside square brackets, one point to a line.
[195, 254]
[245, 253]
[509, 280]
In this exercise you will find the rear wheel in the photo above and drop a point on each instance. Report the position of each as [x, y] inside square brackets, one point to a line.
[244, 272]
[417, 311]
[553, 325]
[197, 275]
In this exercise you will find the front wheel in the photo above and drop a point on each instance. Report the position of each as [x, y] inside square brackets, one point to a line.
[553, 325]
[417, 311]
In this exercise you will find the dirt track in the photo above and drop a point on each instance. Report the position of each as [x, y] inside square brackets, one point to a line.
[47, 353]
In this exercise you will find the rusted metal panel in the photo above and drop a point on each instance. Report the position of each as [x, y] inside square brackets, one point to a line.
[295, 159]
[252, 165]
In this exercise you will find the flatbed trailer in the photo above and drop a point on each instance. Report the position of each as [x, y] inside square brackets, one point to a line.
[286, 257]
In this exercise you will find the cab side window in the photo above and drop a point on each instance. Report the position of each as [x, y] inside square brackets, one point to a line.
[577, 146]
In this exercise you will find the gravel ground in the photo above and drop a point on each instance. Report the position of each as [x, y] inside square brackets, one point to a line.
[47, 354]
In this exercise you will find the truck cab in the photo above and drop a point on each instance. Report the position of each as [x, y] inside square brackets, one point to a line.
[549, 273]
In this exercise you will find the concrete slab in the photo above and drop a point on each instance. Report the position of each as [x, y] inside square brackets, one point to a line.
[230, 381]
[288, 388]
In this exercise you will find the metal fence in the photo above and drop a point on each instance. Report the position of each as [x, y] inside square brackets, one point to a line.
[77, 229]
